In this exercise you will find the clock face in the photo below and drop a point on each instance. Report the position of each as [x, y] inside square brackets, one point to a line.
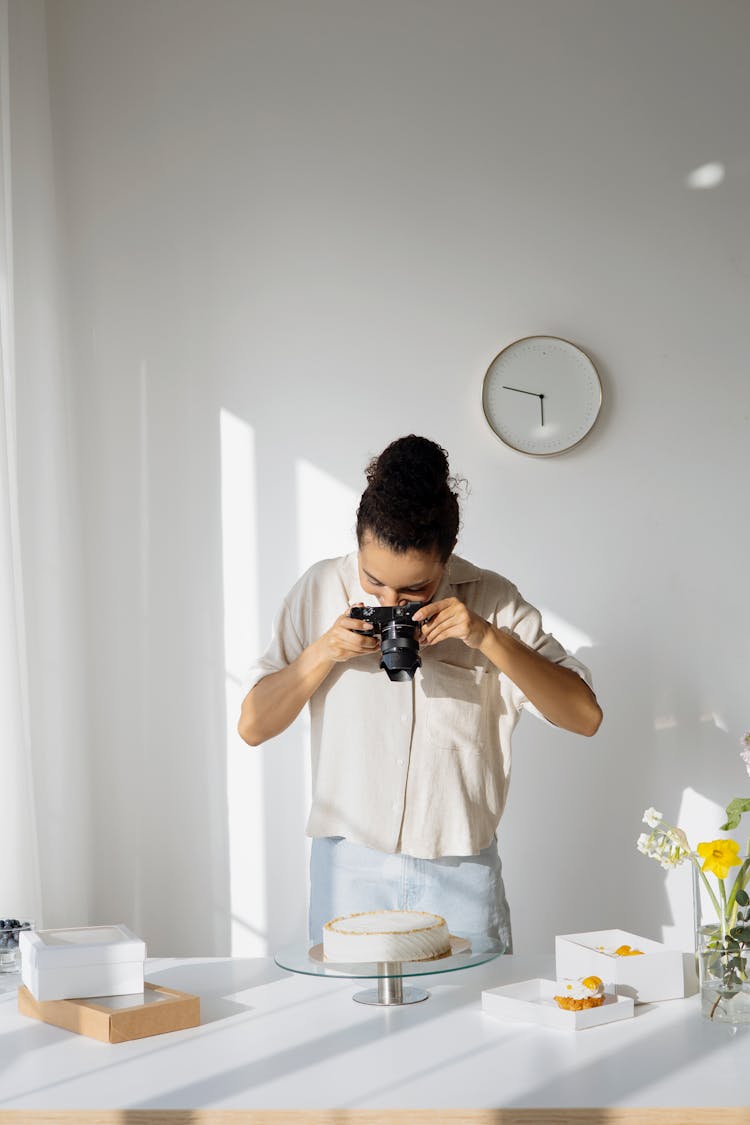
[541, 395]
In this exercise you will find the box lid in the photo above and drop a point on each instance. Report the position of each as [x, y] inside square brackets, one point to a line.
[605, 942]
[80, 945]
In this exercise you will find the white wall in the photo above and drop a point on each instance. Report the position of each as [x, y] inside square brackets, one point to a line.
[324, 219]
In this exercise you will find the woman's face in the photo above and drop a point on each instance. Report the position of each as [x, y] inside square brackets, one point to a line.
[396, 578]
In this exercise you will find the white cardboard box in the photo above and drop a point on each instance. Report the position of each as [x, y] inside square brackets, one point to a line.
[655, 974]
[533, 1001]
[81, 961]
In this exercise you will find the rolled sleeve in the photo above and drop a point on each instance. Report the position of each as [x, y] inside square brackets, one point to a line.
[527, 625]
[286, 645]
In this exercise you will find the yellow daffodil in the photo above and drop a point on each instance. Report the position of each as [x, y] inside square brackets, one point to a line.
[718, 856]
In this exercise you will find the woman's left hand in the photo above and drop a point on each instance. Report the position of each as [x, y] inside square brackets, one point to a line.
[451, 618]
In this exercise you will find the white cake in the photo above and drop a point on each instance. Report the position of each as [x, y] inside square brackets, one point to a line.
[386, 935]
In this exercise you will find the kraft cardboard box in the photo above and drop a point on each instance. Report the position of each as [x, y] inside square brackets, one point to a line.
[117, 1019]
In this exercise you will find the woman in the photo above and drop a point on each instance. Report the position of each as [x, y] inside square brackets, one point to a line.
[409, 779]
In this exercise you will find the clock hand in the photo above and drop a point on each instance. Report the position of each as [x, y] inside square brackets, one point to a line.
[534, 394]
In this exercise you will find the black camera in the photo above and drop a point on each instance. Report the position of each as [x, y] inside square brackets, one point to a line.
[399, 647]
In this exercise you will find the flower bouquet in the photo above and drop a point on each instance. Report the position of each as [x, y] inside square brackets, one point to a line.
[724, 948]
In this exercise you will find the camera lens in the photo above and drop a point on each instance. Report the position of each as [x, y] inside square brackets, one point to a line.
[399, 650]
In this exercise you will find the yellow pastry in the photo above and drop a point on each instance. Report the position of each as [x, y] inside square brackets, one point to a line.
[577, 995]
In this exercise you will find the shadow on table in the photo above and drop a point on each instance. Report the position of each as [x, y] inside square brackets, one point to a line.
[624, 1070]
[643, 1063]
[18, 1042]
[378, 1024]
[212, 982]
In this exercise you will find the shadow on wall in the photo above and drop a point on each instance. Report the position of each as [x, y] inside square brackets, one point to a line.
[568, 836]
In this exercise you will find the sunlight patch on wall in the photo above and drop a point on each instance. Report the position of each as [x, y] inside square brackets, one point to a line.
[570, 636]
[718, 721]
[707, 176]
[326, 519]
[245, 804]
[678, 885]
[700, 819]
[326, 515]
[699, 816]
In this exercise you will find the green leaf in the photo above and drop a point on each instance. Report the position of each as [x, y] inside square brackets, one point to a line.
[742, 898]
[735, 809]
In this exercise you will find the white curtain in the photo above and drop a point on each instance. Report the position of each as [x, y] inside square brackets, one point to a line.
[115, 769]
[44, 796]
[19, 872]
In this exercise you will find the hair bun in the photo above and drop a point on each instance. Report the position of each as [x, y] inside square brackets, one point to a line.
[409, 501]
[412, 463]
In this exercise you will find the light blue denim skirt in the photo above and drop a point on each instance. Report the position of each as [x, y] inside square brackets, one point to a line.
[467, 890]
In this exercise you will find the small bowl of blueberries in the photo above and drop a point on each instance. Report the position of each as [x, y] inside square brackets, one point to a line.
[10, 928]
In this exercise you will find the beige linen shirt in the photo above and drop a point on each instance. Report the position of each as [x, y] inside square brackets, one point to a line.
[420, 767]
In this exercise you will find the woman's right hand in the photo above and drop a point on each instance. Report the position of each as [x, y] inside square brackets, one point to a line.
[348, 637]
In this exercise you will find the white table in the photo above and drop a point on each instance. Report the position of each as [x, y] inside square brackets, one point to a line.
[270, 1039]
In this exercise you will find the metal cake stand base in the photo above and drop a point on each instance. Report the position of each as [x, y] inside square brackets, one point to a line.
[390, 990]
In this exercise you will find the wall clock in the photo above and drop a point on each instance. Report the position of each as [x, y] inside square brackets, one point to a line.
[541, 395]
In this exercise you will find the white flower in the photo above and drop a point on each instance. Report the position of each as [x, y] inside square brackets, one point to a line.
[652, 818]
[745, 754]
[667, 845]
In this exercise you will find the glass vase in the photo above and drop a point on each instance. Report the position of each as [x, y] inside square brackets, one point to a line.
[10, 957]
[725, 989]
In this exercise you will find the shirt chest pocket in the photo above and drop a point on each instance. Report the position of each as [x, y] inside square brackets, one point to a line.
[454, 705]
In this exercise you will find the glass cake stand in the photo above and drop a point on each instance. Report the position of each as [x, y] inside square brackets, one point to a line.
[390, 975]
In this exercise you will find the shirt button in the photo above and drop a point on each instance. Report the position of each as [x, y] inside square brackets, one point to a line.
[395, 806]
[404, 718]
[399, 761]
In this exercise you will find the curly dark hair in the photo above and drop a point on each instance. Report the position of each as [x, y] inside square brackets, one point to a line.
[409, 503]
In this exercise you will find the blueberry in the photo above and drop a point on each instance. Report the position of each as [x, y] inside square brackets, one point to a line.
[3, 924]
[13, 923]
